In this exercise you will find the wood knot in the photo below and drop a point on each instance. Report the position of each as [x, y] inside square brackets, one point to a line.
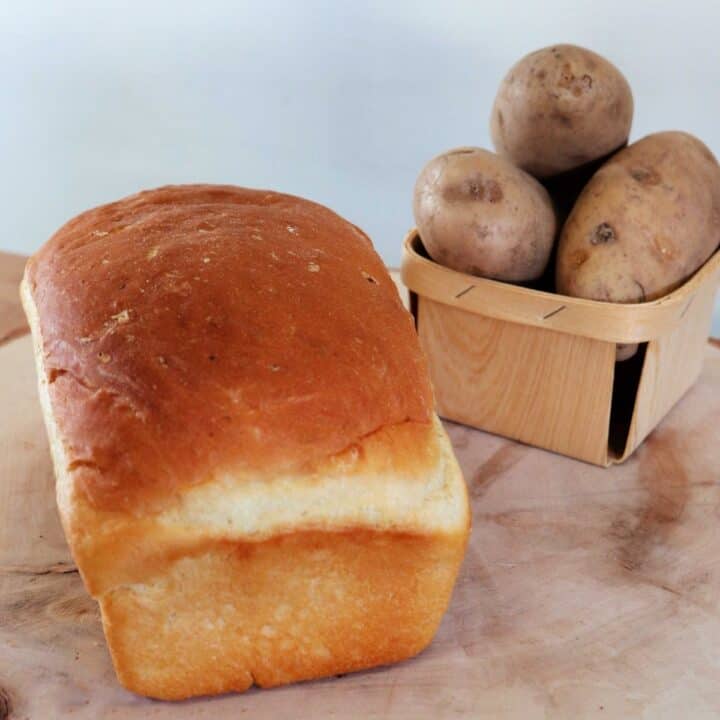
[5, 704]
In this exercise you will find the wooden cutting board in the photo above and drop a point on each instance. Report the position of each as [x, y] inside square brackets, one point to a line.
[586, 592]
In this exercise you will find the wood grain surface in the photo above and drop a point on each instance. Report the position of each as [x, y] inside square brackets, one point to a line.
[545, 388]
[12, 320]
[586, 592]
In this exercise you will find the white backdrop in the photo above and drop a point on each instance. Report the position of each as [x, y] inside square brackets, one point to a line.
[342, 102]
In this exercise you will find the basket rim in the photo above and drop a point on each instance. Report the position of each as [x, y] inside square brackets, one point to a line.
[611, 322]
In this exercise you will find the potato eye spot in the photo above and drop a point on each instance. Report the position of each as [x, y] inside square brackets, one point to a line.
[482, 232]
[645, 177]
[603, 233]
[494, 192]
[474, 188]
[562, 118]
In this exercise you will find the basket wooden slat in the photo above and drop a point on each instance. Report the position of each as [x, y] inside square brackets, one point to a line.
[612, 322]
[540, 367]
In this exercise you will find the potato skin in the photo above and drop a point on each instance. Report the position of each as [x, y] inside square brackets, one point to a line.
[478, 214]
[559, 108]
[646, 221]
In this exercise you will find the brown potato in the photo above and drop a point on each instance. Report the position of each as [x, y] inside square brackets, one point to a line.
[646, 221]
[559, 108]
[479, 214]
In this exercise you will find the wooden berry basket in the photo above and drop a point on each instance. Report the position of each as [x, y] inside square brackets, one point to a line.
[540, 367]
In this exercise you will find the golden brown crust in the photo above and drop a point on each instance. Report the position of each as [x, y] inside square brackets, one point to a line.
[191, 329]
[374, 485]
[296, 607]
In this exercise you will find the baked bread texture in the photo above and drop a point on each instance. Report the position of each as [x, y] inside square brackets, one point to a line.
[250, 474]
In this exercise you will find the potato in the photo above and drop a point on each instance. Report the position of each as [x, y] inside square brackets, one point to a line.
[646, 221]
[479, 214]
[559, 108]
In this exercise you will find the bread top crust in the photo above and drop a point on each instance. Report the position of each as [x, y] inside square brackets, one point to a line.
[191, 331]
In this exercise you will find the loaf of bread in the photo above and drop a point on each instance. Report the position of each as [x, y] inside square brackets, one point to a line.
[250, 474]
